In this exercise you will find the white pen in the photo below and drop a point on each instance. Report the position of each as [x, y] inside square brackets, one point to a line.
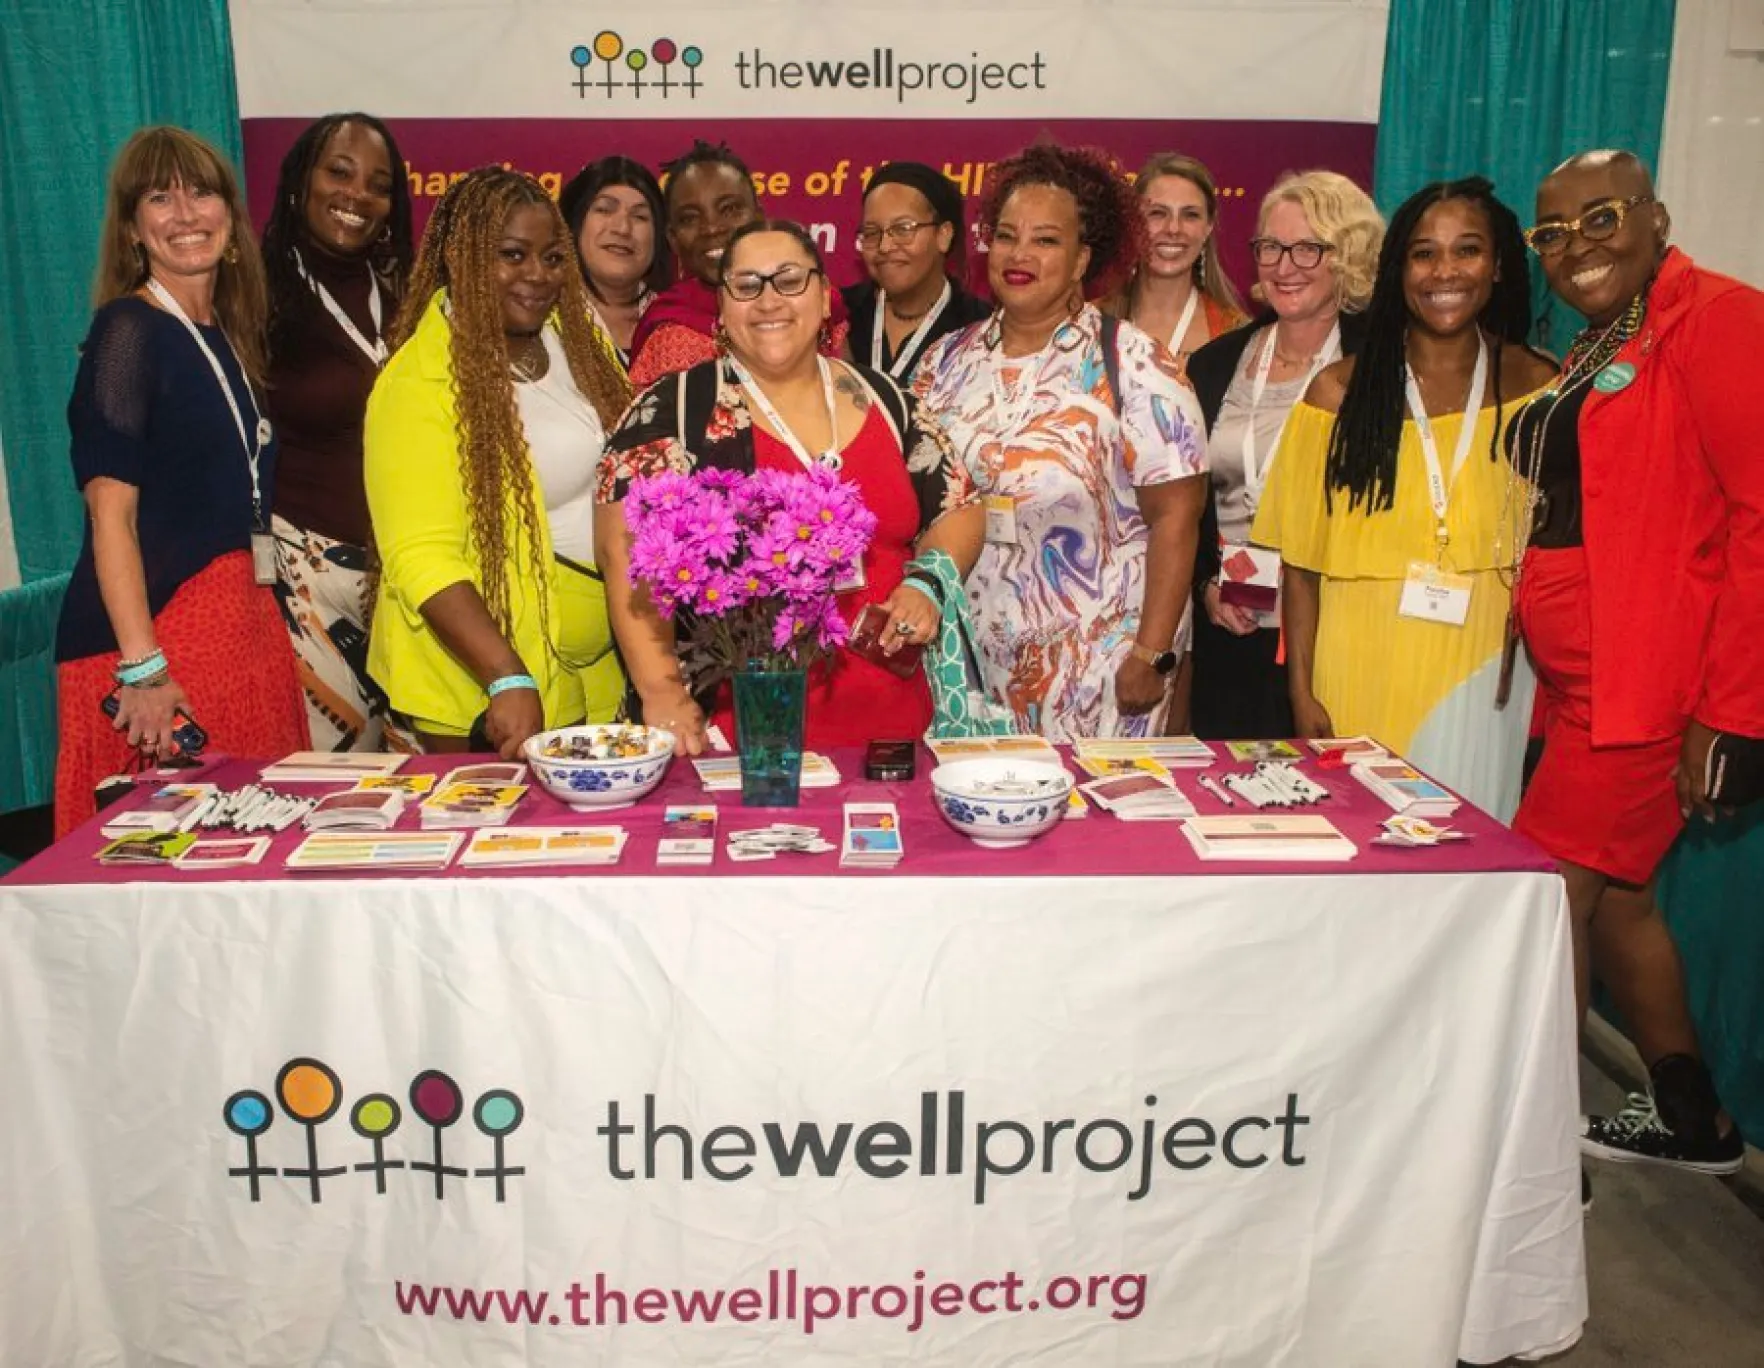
[1219, 793]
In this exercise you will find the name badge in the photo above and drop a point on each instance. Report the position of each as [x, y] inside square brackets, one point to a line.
[1001, 519]
[263, 557]
[1435, 595]
[1249, 577]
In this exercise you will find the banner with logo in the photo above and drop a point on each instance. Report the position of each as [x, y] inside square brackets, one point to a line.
[814, 97]
[1224, 1121]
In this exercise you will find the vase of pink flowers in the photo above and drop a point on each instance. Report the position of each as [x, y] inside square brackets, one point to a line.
[747, 566]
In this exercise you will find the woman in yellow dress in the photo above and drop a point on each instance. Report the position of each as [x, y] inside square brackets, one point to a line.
[1390, 517]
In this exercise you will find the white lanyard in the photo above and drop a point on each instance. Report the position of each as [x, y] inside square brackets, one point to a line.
[830, 458]
[1439, 486]
[375, 351]
[1183, 322]
[1255, 475]
[253, 452]
[911, 345]
[1010, 408]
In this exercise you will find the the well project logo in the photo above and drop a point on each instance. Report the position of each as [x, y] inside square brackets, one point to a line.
[309, 1093]
[608, 67]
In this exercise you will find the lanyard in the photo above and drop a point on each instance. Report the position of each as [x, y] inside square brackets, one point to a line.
[1255, 475]
[1439, 485]
[1183, 322]
[1010, 408]
[830, 458]
[253, 451]
[911, 345]
[375, 351]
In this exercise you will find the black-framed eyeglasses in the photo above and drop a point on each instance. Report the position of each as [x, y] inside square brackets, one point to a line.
[789, 280]
[1306, 253]
[898, 232]
[1596, 225]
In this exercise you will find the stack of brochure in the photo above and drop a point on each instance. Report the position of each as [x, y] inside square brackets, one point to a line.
[1265, 836]
[1404, 789]
[545, 845]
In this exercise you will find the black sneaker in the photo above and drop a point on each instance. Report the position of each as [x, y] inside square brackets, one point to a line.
[1638, 1133]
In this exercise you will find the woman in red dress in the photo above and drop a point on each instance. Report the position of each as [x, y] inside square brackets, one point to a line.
[771, 402]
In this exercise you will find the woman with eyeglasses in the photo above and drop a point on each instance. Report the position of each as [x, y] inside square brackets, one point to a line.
[1640, 597]
[770, 401]
[912, 240]
[615, 214]
[1316, 252]
[1088, 450]
[1385, 503]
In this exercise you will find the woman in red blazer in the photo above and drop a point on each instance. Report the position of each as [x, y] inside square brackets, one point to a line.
[1641, 600]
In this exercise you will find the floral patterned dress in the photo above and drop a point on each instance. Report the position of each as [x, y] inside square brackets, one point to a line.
[1056, 598]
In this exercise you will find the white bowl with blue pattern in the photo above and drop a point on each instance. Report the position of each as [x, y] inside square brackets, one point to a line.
[999, 802]
[588, 784]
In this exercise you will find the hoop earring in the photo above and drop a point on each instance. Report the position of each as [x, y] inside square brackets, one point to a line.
[1075, 301]
[231, 255]
[825, 336]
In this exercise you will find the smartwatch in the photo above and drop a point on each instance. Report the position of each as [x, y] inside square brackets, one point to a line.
[1161, 661]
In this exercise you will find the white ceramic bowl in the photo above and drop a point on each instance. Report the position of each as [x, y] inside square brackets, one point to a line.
[596, 785]
[999, 802]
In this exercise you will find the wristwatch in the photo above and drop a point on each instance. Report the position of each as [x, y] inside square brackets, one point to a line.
[1161, 661]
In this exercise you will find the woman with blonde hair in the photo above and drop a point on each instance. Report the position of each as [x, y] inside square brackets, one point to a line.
[1178, 291]
[483, 437]
[1316, 254]
[169, 618]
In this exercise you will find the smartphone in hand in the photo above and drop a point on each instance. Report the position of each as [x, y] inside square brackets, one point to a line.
[188, 739]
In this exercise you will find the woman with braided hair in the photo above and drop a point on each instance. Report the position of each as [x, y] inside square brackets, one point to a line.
[336, 252]
[483, 435]
[1386, 496]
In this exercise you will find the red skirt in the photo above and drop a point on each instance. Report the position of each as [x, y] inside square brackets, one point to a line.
[223, 637]
[1613, 809]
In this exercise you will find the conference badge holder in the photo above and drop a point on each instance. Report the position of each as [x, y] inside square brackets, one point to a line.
[1001, 520]
[1249, 577]
[263, 557]
[1435, 595]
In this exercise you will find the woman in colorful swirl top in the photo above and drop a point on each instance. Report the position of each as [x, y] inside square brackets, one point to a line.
[1088, 450]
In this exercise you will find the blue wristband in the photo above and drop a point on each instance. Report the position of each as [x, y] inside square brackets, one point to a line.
[132, 672]
[508, 682]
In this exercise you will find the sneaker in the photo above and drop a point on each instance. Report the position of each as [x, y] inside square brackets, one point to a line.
[1638, 1133]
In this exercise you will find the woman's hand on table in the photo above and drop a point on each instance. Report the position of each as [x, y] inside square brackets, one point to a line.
[1310, 719]
[674, 709]
[1227, 616]
[1138, 687]
[912, 610]
[512, 717]
[148, 716]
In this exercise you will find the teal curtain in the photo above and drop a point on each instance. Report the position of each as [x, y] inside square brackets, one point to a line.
[1510, 88]
[77, 77]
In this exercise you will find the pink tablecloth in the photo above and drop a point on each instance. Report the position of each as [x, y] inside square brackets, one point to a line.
[1096, 845]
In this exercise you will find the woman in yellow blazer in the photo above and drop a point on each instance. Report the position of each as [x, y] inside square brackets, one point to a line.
[482, 439]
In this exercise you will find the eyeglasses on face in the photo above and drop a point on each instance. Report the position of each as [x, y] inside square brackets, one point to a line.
[789, 280]
[899, 232]
[1306, 253]
[1596, 225]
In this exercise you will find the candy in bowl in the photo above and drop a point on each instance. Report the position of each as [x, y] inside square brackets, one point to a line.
[1000, 802]
[593, 768]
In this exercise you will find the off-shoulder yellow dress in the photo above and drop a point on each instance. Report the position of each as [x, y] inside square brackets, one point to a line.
[1423, 689]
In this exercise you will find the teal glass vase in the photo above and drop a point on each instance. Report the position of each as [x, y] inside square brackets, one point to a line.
[769, 706]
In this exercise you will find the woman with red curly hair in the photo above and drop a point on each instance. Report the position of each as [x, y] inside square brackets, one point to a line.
[1089, 450]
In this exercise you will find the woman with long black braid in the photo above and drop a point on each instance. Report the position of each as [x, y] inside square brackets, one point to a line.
[1386, 523]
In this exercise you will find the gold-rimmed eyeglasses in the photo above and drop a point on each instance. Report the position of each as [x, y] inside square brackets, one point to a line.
[898, 232]
[1595, 225]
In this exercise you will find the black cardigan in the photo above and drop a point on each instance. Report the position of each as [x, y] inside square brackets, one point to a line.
[1209, 371]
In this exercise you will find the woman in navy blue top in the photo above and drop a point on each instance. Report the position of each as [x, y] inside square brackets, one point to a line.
[177, 466]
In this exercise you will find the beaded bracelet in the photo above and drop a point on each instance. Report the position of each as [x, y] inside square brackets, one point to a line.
[134, 673]
[507, 682]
